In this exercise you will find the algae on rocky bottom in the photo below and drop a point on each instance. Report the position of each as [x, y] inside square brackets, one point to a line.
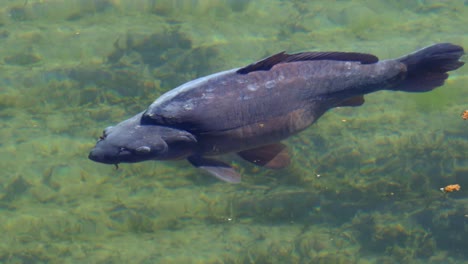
[364, 183]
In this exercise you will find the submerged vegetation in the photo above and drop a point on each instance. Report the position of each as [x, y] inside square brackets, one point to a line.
[364, 184]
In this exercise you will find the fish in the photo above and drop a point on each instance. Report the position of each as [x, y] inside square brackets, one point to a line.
[251, 110]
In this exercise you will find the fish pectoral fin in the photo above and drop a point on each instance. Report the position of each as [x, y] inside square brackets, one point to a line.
[353, 101]
[219, 169]
[273, 156]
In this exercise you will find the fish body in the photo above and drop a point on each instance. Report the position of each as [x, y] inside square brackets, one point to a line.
[250, 110]
[230, 112]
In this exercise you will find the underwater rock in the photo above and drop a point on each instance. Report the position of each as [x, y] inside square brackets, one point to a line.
[4, 33]
[169, 55]
[278, 206]
[239, 5]
[22, 59]
[125, 83]
[448, 222]
[15, 189]
[18, 13]
[382, 233]
[90, 8]
[152, 48]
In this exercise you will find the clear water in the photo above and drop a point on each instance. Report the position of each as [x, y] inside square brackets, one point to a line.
[364, 183]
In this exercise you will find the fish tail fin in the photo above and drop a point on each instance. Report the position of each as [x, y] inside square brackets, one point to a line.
[427, 68]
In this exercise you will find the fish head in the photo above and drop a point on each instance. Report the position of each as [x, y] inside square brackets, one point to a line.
[130, 142]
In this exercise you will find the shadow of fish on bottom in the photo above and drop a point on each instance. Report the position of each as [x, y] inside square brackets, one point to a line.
[249, 110]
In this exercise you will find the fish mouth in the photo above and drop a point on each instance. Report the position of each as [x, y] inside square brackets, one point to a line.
[92, 156]
[95, 156]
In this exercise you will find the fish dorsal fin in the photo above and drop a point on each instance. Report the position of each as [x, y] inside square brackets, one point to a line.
[282, 57]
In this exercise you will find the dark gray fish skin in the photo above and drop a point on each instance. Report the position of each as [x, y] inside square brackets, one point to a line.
[251, 109]
[242, 99]
[131, 142]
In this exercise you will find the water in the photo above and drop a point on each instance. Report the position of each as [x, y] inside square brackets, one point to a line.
[364, 183]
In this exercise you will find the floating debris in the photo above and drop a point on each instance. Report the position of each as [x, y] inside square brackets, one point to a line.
[464, 115]
[450, 188]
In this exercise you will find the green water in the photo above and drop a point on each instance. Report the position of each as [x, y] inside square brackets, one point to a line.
[364, 183]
